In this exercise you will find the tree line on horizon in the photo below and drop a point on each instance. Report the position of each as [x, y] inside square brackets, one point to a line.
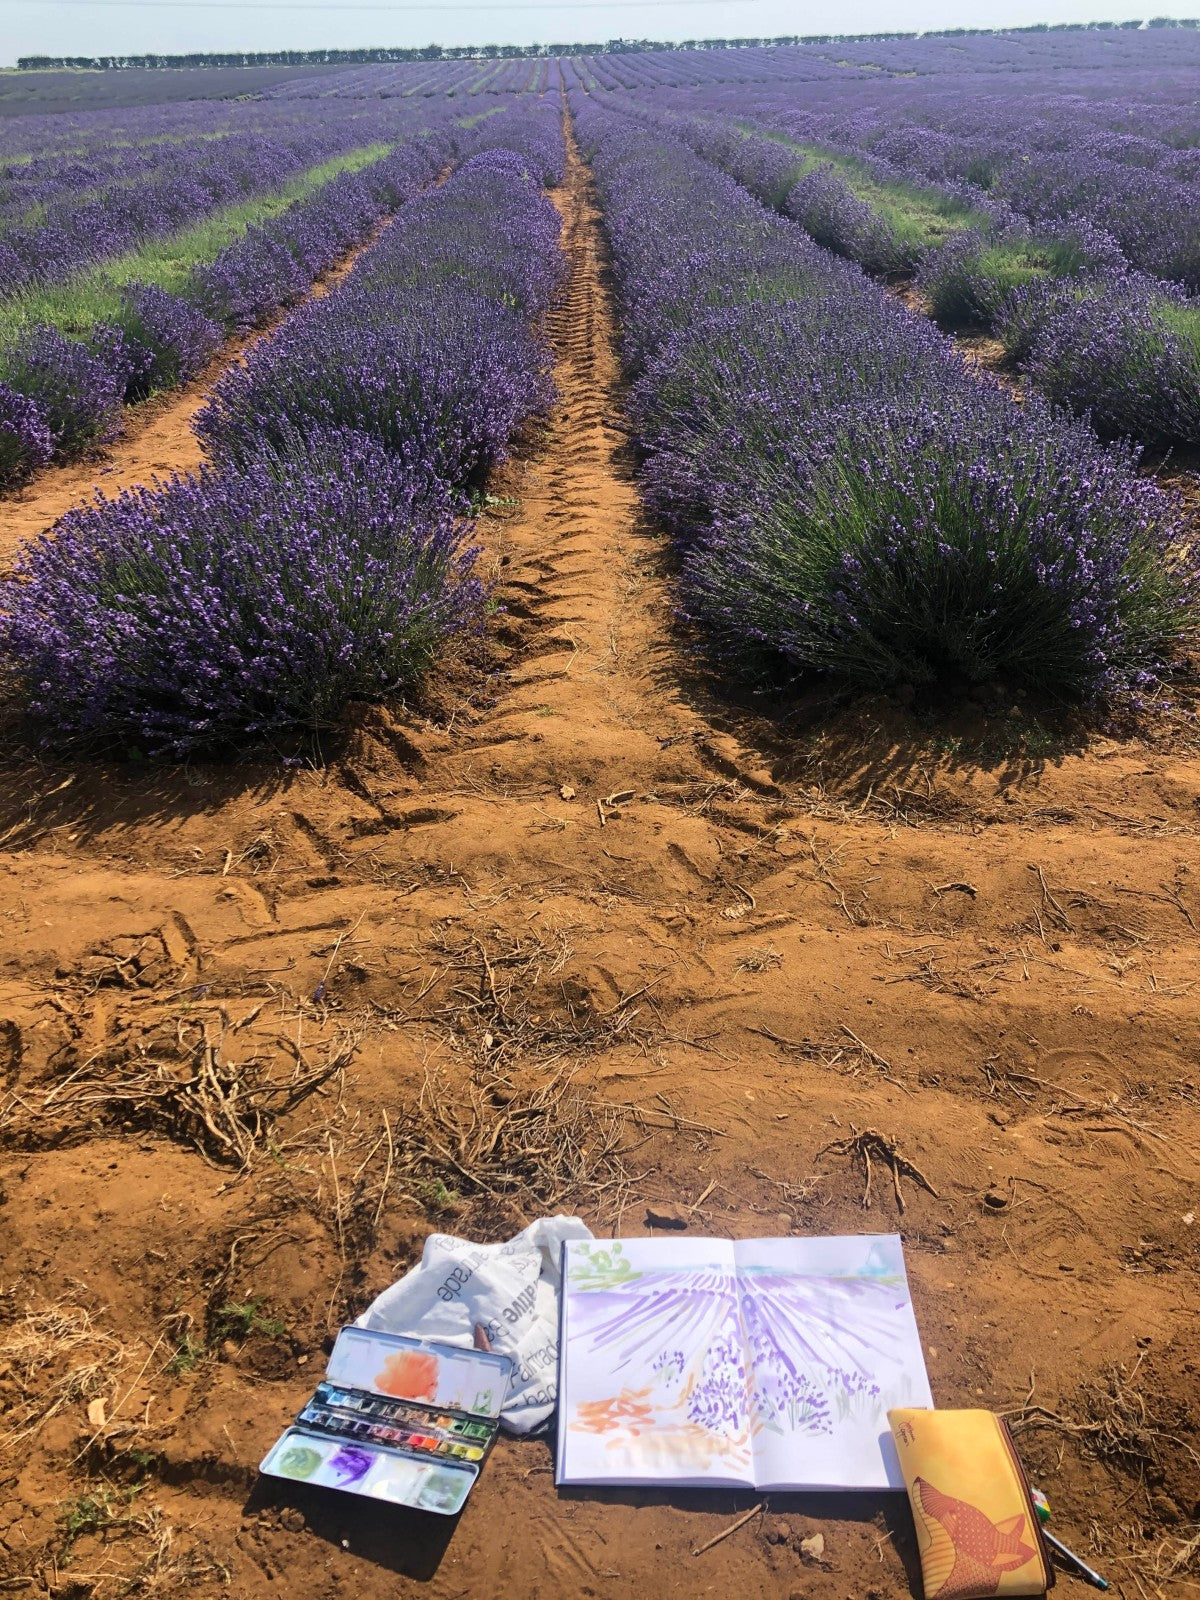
[383, 54]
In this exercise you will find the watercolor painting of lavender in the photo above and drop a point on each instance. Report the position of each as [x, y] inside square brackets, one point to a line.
[757, 1363]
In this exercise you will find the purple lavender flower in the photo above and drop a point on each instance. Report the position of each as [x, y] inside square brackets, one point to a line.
[1119, 347]
[233, 605]
[428, 345]
[77, 391]
[25, 440]
[170, 339]
[848, 498]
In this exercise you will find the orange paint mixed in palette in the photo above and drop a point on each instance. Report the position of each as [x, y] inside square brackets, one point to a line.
[399, 1419]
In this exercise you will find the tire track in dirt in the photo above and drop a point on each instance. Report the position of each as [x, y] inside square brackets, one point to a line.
[593, 863]
[597, 666]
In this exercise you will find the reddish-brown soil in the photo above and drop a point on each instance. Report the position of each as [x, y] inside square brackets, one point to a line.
[749, 938]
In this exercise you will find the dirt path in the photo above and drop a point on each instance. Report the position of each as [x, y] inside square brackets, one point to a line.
[743, 947]
[156, 439]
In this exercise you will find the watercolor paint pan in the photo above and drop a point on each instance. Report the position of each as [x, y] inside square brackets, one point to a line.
[418, 1436]
[401, 1413]
[398, 1419]
[399, 1478]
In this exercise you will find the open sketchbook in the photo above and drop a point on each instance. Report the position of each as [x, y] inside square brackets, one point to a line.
[760, 1363]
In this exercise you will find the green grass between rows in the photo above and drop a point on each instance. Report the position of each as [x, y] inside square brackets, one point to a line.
[94, 296]
[917, 216]
[1183, 321]
[923, 219]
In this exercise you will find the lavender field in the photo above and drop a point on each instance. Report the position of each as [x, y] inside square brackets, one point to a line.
[805, 241]
[607, 633]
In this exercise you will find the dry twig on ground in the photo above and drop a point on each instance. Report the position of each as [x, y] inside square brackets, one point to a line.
[511, 996]
[189, 1086]
[851, 1054]
[52, 1357]
[1119, 1428]
[527, 1146]
[870, 1143]
[1174, 1558]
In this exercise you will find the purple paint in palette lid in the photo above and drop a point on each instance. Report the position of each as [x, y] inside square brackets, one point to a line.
[369, 1470]
[405, 1368]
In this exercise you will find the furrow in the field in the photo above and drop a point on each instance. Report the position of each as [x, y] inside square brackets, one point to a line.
[580, 705]
[610, 874]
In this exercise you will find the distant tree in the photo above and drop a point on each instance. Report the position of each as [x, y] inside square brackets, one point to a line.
[489, 52]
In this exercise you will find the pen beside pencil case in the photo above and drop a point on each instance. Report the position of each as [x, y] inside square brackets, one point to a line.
[977, 1527]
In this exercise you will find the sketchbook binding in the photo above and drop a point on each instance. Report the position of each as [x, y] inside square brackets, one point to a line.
[748, 1363]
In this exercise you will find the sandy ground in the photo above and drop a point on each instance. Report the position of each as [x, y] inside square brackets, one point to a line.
[582, 934]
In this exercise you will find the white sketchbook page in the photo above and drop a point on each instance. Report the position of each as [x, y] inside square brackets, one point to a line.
[832, 1344]
[652, 1383]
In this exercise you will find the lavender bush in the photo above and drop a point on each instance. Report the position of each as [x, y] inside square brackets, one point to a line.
[969, 280]
[78, 392]
[233, 605]
[847, 497]
[825, 208]
[883, 554]
[441, 379]
[428, 345]
[169, 339]
[1117, 347]
[248, 280]
[25, 440]
[314, 564]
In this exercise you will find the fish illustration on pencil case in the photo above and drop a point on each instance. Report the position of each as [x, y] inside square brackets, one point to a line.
[969, 1553]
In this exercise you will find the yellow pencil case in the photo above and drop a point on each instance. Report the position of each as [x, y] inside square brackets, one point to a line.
[977, 1527]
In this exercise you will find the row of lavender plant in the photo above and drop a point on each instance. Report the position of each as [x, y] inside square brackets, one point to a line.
[845, 497]
[1043, 160]
[79, 190]
[61, 396]
[1079, 155]
[425, 345]
[1093, 333]
[325, 556]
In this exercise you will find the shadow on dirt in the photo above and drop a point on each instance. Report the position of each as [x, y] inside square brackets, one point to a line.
[855, 745]
[409, 1543]
[791, 1516]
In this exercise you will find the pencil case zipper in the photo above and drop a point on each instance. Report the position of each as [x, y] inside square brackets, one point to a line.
[1035, 1521]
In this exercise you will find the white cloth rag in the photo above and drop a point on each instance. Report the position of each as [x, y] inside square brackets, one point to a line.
[508, 1292]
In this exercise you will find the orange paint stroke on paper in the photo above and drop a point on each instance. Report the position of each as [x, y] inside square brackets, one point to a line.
[629, 1410]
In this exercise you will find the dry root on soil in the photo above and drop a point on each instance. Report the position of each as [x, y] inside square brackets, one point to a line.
[188, 1085]
[527, 1147]
[868, 1143]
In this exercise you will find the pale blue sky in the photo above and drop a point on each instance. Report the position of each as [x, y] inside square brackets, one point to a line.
[97, 27]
